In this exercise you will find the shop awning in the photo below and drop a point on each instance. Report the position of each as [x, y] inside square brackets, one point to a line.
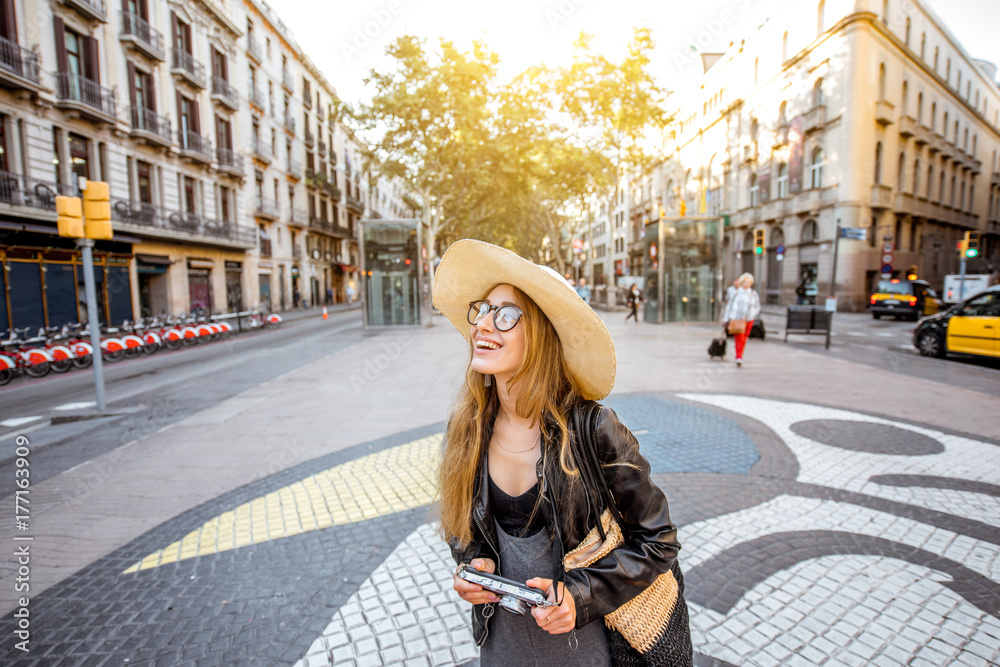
[347, 268]
[156, 260]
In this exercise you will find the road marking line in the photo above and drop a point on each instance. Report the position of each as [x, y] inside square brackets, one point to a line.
[19, 421]
[76, 406]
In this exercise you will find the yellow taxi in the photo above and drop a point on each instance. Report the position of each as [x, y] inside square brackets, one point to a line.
[969, 327]
[911, 299]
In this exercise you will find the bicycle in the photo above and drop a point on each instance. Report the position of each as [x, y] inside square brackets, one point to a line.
[35, 362]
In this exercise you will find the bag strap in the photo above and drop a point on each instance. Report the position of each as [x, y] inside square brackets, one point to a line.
[591, 471]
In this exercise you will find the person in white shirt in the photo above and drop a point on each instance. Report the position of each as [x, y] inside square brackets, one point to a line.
[743, 306]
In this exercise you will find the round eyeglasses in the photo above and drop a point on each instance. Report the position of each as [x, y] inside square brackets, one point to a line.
[504, 320]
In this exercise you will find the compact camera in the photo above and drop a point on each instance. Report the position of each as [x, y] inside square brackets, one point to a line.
[514, 597]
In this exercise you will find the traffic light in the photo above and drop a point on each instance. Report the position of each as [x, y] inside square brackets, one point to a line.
[70, 217]
[912, 273]
[97, 210]
[758, 241]
[971, 244]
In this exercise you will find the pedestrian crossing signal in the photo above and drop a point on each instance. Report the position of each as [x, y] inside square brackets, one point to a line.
[758, 241]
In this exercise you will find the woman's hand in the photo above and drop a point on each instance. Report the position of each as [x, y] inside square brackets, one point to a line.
[554, 620]
[475, 593]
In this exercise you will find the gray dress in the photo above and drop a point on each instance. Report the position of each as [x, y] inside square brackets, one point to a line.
[517, 640]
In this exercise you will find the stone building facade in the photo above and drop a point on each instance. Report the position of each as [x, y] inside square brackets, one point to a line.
[232, 187]
[858, 113]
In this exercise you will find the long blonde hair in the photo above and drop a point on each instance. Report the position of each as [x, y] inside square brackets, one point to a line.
[546, 390]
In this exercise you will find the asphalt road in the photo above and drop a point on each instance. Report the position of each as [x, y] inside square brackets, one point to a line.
[164, 388]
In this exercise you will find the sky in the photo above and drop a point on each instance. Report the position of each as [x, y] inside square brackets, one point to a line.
[346, 39]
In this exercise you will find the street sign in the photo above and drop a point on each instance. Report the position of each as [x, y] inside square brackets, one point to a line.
[855, 233]
[888, 247]
[887, 269]
[887, 258]
[780, 249]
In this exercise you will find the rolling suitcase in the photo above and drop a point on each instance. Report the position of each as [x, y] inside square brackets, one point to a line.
[717, 348]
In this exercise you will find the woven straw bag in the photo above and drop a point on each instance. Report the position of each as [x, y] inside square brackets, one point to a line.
[652, 628]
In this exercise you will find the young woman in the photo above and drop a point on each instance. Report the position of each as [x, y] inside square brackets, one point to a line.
[745, 305]
[512, 497]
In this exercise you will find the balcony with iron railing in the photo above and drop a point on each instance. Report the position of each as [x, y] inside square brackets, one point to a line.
[230, 161]
[299, 217]
[254, 50]
[307, 100]
[257, 98]
[224, 93]
[288, 81]
[24, 196]
[195, 147]
[290, 122]
[332, 190]
[355, 204]
[141, 36]
[267, 208]
[309, 139]
[296, 252]
[90, 98]
[18, 66]
[294, 168]
[261, 151]
[92, 9]
[321, 149]
[150, 126]
[184, 65]
[146, 219]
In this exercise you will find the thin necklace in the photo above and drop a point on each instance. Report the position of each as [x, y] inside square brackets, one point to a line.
[522, 451]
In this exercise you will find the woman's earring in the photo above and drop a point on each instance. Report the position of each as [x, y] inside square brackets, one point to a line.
[487, 380]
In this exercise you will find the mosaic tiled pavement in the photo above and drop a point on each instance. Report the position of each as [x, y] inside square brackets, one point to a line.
[811, 535]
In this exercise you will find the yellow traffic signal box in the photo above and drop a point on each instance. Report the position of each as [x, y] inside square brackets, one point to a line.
[97, 210]
[971, 244]
[758, 241]
[70, 217]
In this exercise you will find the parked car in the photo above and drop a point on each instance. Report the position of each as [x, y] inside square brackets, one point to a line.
[969, 327]
[911, 299]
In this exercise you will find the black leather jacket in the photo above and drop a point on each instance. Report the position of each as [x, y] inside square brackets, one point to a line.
[650, 538]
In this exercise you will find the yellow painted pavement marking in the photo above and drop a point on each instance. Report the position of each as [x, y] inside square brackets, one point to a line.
[393, 480]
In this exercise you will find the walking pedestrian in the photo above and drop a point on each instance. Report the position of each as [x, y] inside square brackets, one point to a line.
[634, 297]
[329, 296]
[519, 482]
[583, 289]
[740, 313]
[350, 292]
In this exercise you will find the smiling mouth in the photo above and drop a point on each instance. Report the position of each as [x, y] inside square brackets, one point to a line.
[488, 345]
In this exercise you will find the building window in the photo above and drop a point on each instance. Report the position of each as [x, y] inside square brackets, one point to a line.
[881, 81]
[754, 190]
[944, 126]
[930, 180]
[907, 35]
[818, 93]
[906, 97]
[947, 71]
[916, 177]
[144, 189]
[923, 44]
[878, 163]
[935, 58]
[224, 204]
[810, 232]
[189, 196]
[920, 107]
[901, 173]
[941, 187]
[816, 169]
[782, 181]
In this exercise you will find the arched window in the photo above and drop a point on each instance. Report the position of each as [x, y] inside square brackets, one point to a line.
[754, 193]
[916, 177]
[818, 93]
[816, 169]
[881, 81]
[782, 181]
[878, 163]
[920, 107]
[810, 232]
[906, 97]
[748, 242]
[784, 47]
[820, 10]
[777, 237]
[901, 172]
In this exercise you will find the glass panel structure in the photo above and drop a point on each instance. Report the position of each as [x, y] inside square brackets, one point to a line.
[682, 266]
[392, 272]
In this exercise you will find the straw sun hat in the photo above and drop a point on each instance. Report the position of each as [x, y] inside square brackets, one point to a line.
[470, 269]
